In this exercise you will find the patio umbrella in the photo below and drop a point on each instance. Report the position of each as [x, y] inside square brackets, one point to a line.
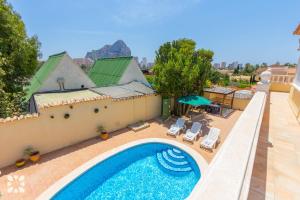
[194, 100]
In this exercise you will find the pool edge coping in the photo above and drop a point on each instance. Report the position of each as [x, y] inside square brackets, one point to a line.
[62, 182]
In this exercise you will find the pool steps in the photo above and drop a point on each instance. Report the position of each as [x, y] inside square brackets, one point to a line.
[177, 151]
[173, 161]
[172, 154]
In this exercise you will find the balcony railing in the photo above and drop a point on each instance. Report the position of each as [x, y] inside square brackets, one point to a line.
[229, 173]
[285, 79]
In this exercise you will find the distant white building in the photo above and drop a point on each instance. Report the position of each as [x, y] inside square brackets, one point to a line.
[233, 65]
[136, 59]
[143, 63]
[217, 65]
[150, 65]
[83, 61]
[223, 65]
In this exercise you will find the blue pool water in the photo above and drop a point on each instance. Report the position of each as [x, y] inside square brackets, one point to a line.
[147, 171]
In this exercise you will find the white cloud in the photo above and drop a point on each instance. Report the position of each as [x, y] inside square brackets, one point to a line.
[147, 11]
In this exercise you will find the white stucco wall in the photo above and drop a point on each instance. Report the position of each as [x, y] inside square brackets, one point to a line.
[229, 173]
[297, 77]
[73, 76]
[133, 73]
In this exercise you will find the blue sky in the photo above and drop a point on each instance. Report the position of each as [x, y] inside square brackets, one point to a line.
[252, 31]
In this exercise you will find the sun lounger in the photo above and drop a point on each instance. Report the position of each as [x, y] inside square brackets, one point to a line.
[193, 133]
[177, 127]
[211, 139]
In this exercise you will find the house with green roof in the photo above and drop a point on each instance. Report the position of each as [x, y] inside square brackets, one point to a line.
[58, 73]
[116, 71]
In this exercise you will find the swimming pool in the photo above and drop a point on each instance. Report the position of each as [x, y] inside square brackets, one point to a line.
[146, 171]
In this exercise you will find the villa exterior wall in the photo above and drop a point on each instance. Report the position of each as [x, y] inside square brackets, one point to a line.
[47, 134]
[294, 100]
[280, 87]
[212, 95]
[238, 104]
[294, 96]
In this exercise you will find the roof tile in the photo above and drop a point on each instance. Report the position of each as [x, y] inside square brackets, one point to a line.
[42, 74]
[108, 71]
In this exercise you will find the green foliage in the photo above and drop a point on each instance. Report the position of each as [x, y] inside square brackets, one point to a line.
[225, 80]
[18, 60]
[290, 65]
[252, 79]
[244, 85]
[180, 69]
[240, 83]
[208, 84]
[218, 78]
[215, 76]
[150, 79]
[249, 69]
[101, 129]
[29, 150]
[11, 103]
[236, 71]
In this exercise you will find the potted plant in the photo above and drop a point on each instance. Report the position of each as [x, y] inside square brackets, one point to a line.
[20, 163]
[103, 133]
[33, 154]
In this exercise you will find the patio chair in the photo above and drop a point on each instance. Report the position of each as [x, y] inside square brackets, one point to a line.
[177, 127]
[192, 133]
[211, 139]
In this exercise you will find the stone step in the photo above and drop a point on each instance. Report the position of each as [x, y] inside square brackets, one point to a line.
[173, 162]
[166, 166]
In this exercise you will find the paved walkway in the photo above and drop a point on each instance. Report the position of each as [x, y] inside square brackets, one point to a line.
[276, 172]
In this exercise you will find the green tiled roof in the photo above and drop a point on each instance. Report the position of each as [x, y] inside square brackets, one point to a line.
[42, 74]
[108, 71]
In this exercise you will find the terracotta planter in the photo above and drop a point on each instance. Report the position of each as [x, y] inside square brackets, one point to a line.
[20, 163]
[34, 156]
[104, 135]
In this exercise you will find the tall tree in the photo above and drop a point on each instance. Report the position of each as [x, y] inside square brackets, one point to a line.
[249, 69]
[180, 69]
[215, 76]
[236, 71]
[18, 60]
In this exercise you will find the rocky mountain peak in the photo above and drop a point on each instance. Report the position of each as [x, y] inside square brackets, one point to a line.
[117, 49]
